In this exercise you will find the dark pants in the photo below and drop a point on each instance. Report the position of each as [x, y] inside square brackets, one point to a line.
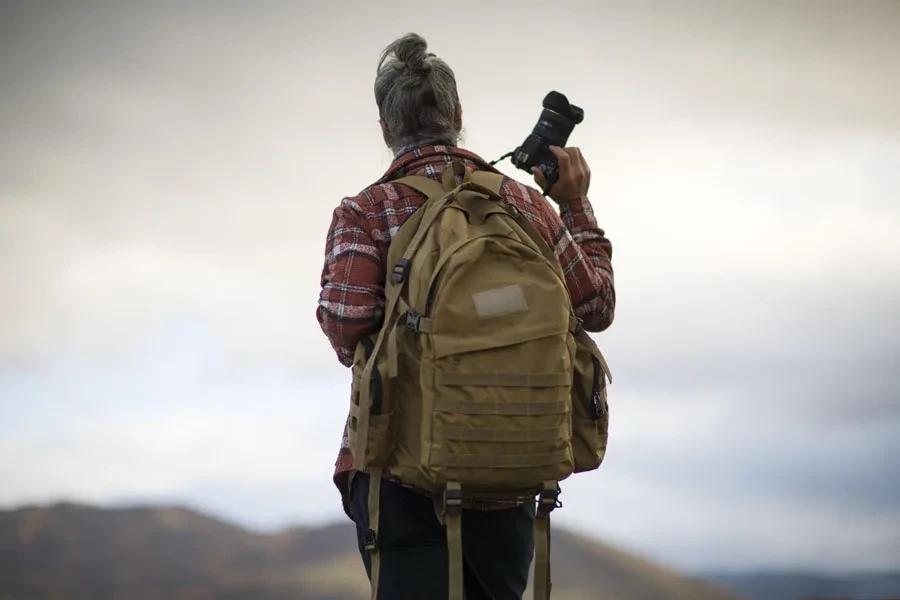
[498, 546]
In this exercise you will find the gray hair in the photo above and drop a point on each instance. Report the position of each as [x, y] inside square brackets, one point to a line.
[416, 94]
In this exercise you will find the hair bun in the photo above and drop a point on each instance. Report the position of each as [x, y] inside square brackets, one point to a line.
[411, 51]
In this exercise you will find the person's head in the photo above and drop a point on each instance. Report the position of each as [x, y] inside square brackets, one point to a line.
[416, 95]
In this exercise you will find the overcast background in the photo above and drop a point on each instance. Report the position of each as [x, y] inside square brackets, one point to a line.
[168, 171]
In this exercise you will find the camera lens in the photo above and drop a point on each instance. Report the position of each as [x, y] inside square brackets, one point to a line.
[554, 127]
[558, 119]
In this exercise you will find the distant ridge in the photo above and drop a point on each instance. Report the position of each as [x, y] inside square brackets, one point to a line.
[796, 585]
[72, 551]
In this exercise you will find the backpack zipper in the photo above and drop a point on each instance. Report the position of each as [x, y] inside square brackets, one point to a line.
[596, 403]
[369, 345]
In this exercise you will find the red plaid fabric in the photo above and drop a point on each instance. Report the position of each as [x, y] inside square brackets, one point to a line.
[351, 302]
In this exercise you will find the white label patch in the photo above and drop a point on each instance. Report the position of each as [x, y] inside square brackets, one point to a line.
[501, 301]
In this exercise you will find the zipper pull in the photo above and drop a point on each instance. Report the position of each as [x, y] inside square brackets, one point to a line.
[596, 404]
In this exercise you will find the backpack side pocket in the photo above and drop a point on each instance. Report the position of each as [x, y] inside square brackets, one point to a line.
[380, 432]
[590, 409]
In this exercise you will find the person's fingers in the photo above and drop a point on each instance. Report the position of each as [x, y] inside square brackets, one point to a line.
[562, 157]
[577, 156]
[573, 166]
[539, 177]
[581, 171]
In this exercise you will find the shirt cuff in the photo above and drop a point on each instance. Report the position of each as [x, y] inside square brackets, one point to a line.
[578, 215]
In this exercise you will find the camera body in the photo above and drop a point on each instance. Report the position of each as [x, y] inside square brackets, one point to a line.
[558, 118]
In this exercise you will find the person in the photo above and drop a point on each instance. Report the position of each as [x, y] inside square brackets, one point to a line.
[421, 122]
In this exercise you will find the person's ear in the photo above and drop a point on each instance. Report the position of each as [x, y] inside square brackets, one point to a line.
[458, 121]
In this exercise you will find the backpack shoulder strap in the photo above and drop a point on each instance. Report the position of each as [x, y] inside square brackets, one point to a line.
[425, 185]
[492, 181]
[410, 226]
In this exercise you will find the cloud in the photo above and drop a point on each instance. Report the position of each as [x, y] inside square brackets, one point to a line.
[84, 428]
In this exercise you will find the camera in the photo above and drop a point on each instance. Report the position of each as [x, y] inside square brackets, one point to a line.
[553, 128]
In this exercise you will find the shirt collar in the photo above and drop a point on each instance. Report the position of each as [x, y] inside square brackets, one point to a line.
[416, 156]
[416, 145]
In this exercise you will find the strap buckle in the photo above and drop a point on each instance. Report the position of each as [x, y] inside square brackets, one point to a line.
[452, 502]
[412, 320]
[400, 271]
[548, 499]
[370, 540]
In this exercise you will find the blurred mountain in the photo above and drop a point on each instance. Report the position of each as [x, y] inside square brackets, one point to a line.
[794, 586]
[74, 552]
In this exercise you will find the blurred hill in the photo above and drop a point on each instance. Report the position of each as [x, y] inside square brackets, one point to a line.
[811, 586]
[147, 553]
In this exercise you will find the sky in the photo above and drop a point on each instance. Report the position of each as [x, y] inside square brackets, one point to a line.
[168, 172]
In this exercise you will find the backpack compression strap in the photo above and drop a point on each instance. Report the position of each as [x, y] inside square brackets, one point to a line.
[547, 501]
[374, 509]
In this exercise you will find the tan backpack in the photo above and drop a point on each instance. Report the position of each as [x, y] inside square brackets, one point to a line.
[481, 383]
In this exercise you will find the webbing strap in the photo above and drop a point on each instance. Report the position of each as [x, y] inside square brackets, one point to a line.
[404, 235]
[456, 168]
[424, 324]
[490, 180]
[425, 185]
[453, 520]
[507, 461]
[547, 501]
[520, 409]
[542, 556]
[604, 365]
[374, 506]
[469, 434]
[456, 378]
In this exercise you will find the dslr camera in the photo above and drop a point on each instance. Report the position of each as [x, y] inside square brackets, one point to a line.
[553, 128]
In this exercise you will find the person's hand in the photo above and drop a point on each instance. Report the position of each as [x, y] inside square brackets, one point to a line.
[574, 176]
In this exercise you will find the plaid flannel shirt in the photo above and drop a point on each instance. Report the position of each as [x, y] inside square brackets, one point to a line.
[352, 296]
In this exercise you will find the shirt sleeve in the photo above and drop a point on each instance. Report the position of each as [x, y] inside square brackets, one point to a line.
[585, 254]
[351, 300]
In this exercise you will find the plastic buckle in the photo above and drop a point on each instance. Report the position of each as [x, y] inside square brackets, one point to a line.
[548, 500]
[400, 271]
[412, 320]
[452, 502]
[370, 541]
